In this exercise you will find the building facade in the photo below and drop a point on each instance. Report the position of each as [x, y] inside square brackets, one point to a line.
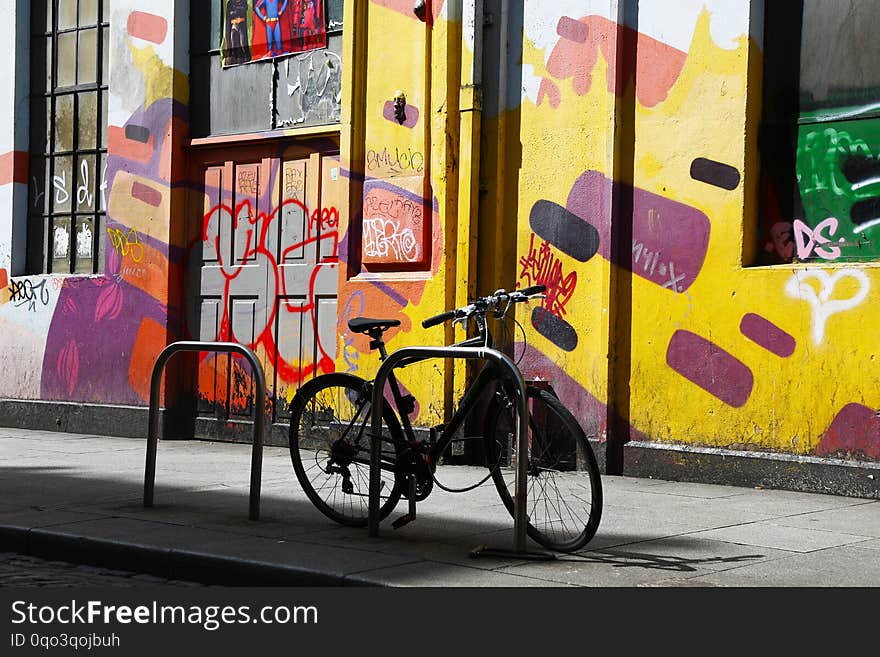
[696, 183]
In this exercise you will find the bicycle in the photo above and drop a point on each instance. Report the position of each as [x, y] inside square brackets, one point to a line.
[329, 441]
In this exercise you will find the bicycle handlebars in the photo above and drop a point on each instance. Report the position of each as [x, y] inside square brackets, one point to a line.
[485, 304]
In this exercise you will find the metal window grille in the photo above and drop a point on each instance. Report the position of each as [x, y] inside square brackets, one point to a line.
[68, 137]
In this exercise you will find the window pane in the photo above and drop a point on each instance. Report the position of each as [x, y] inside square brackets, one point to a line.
[62, 184]
[105, 64]
[85, 183]
[88, 12]
[102, 185]
[66, 14]
[85, 238]
[840, 71]
[104, 105]
[67, 59]
[87, 120]
[106, 10]
[60, 244]
[88, 56]
[63, 123]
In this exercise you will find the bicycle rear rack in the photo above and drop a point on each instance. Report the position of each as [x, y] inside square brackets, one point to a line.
[508, 367]
[259, 412]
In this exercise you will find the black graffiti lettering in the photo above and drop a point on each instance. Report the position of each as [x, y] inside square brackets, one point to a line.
[27, 292]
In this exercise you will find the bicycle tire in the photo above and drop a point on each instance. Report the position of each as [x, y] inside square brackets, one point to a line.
[339, 402]
[564, 490]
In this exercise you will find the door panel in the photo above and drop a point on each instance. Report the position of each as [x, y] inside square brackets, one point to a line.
[268, 276]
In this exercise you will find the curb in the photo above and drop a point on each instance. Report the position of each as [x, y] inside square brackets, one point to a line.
[168, 563]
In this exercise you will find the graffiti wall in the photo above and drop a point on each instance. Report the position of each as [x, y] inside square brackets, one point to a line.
[649, 309]
[95, 338]
[620, 164]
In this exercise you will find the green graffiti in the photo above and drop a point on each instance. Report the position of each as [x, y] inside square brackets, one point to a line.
[838, 174]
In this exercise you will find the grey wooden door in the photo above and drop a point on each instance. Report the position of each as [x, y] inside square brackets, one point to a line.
[267, 279]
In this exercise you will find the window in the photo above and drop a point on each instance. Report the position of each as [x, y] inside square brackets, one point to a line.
[820, 134]
[293, 91]
[68, 136]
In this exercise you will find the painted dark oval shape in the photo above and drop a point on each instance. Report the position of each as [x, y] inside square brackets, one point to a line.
[715, 173]
[765, 333]
[411, 115]
[564, 230]
[555, 329]
[137, 133]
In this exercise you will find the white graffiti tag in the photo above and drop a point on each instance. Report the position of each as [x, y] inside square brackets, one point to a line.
[823, 304]
[384, 238]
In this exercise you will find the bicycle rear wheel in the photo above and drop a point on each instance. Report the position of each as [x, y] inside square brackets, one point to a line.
[564, 491]
[330, 447]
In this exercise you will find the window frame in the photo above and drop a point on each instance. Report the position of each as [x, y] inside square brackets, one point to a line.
[46, 211]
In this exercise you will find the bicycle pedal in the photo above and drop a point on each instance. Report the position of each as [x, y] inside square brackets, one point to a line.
[403, 520]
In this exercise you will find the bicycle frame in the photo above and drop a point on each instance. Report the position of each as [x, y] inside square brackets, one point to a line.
[469, 400]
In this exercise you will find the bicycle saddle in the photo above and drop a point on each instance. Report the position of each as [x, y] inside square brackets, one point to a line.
[365, 324]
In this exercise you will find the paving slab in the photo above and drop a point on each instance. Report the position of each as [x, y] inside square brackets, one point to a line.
[775, 536]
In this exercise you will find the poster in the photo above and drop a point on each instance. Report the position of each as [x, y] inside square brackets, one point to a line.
[262, 29]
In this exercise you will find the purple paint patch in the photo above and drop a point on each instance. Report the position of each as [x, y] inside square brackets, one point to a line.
[669, 239]
[855, 430]
[146, 194]
[768, 335]
[573, 30]
[411, 115]
[710, 367]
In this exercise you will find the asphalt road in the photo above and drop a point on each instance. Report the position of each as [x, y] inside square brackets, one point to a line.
[24, 571]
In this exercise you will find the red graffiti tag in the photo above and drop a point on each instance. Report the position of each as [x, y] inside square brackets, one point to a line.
[321, 234]
[542, 267]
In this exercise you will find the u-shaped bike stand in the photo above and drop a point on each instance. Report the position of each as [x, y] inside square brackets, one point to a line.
[507, 367]
[259, 411]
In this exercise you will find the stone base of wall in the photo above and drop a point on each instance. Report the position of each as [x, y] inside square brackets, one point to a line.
[708, 465]
[651, 460]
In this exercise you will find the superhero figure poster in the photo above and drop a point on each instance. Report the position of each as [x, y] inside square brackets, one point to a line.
[262, 29]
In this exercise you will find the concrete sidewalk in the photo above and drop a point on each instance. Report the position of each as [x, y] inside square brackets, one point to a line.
[79, 497]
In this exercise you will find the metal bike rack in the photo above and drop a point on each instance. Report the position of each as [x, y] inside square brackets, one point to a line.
[420, 353]
[259, 420]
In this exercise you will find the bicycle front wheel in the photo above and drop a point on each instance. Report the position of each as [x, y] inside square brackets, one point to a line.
[330, 447]
[563, 490]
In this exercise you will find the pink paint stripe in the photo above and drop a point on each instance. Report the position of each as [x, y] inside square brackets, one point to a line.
[148, 27]
[146, 194]
[14, 167]
[710, 367]
[768, 335]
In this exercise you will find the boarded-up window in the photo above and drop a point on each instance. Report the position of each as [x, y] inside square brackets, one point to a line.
[288, 92]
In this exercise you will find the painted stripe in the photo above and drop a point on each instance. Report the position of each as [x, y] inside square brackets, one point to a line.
[715, 173]
[555, 329]
[146, 194]
[573, 30]
[766, 334]
[855, 430]
[707, 365]
[14, 167]
[669, 239]
[148, 27]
